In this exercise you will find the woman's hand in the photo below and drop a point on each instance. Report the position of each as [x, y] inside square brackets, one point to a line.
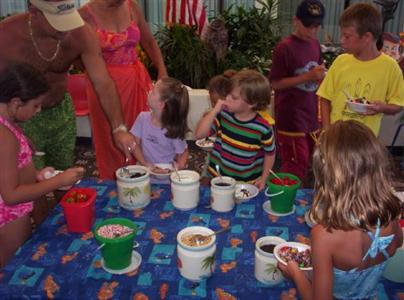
[125, 141]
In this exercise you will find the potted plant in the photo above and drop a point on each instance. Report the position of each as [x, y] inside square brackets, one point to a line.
[185, 55]
[253, 34]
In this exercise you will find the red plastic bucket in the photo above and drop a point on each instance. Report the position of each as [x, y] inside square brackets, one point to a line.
[79, 216]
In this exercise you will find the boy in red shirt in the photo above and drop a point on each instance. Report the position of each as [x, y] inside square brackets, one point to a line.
[296, 71]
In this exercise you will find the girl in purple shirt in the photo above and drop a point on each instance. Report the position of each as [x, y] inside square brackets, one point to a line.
[160, 132]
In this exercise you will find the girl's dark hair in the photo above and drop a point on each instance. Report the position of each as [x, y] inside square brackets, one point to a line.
[21, 80]
[175, 112]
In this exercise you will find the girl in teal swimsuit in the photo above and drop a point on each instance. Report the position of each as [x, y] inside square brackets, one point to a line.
[357, 216]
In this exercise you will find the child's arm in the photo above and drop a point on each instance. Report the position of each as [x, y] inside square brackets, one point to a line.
[315, 74]
[182, 159]
[325, 107]
[322, 246]
[16, 187]
[13, 192]
[303, 285]
[205, 123]
[321, 286]
[139, 153]
[269, 160]
[381, 107]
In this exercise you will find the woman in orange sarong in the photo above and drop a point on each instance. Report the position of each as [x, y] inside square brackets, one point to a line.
[120, 26]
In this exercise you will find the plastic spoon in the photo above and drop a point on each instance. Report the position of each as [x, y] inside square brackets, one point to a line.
[273, 173]
[176, 171]
[347, 95]
[199, 238]
[218, 172]
[125, 170]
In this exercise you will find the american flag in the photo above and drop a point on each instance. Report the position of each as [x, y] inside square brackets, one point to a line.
[191, 12]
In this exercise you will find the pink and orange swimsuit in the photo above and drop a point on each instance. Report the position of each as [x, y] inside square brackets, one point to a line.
[133, 84]
[10, 213]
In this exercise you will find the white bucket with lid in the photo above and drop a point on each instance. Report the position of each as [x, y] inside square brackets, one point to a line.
[196, 262]
[185, 189]
[265, 266]
[222, 191]
[133, 187]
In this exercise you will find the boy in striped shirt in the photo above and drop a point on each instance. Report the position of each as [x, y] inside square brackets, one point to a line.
[245, 144]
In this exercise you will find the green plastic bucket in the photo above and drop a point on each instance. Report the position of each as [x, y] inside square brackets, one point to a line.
[282, 197]
[116, 252]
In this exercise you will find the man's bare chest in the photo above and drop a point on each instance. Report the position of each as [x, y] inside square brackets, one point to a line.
[47, 58]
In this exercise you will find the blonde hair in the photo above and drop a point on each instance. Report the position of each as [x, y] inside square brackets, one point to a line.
[352, 179]
[175, 111]
[254, 88]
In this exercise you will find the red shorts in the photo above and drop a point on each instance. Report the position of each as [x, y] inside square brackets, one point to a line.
[296, 150]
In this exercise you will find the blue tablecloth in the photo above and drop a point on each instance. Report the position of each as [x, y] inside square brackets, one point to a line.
[55, 263]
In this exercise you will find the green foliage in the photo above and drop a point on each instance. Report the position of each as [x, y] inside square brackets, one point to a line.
[185, 55]
[253, 34]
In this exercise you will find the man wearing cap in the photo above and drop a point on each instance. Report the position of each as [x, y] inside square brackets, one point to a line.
[51, 36]
[296, 72]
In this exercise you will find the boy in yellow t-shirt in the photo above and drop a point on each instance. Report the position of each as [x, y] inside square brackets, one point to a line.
[363, 72]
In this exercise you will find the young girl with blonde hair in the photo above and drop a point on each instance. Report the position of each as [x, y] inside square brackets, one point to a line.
[22, 89]
[356, 212]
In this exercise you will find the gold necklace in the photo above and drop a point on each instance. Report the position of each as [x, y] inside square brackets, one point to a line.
[52, 58]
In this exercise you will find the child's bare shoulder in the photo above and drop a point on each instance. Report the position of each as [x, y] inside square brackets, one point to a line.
[321, 234]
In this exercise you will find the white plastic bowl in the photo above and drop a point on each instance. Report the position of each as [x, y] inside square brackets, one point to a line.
[206, 143]
[162, 175]
[49, 174]
[251, 189]
[358, 107]
[300, 247]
